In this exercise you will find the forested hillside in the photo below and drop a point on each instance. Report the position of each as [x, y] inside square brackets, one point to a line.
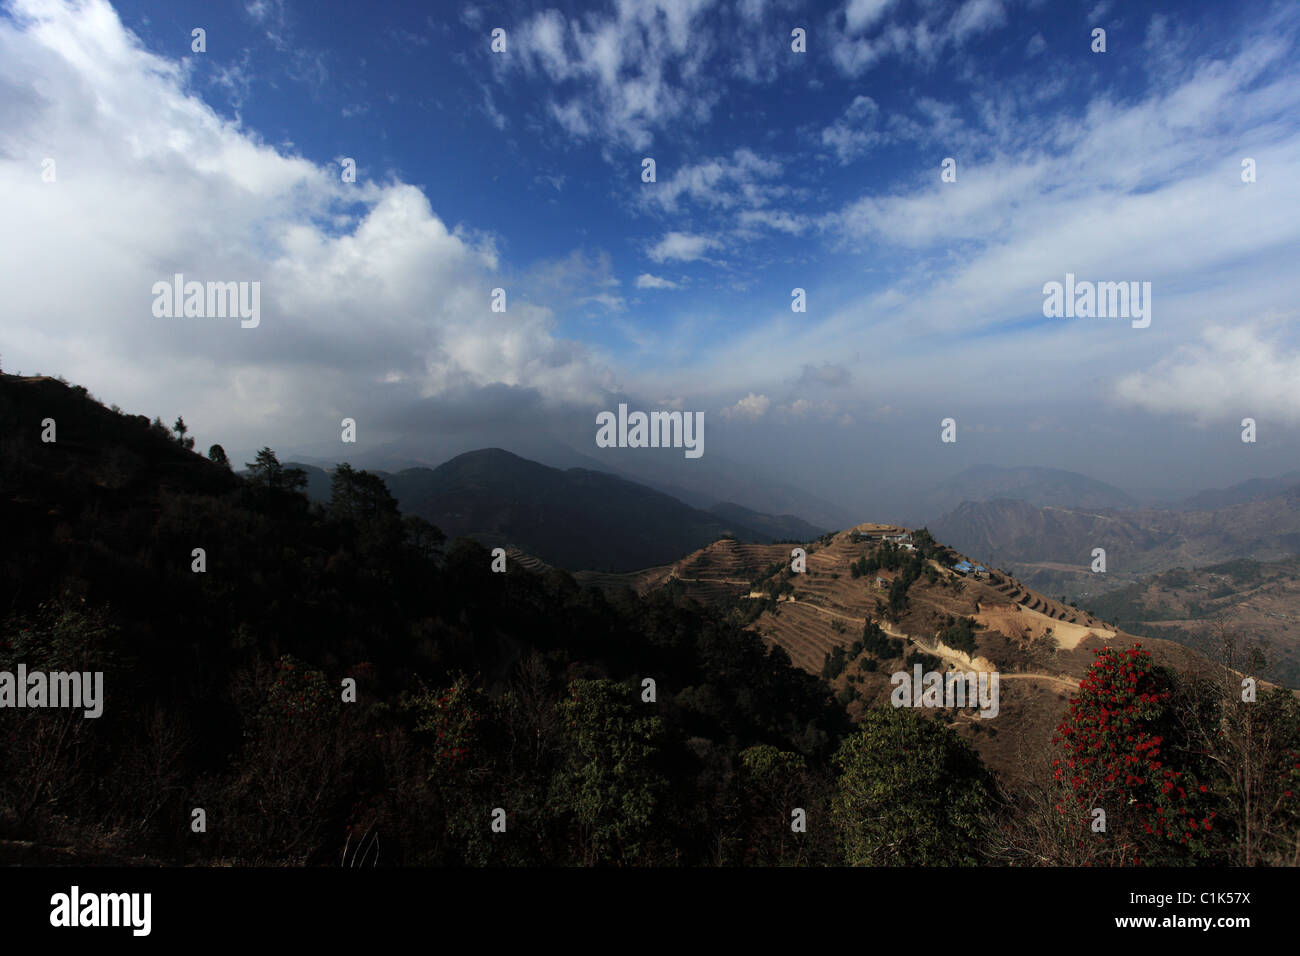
[333, 684]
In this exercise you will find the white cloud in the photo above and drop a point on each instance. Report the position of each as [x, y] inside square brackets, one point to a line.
[1232, 372]
[571, 118]
[581, 278]
[861, 14]
[1099, 11]
[490, 108]
[613, 303]
[742, 183]
[616, 67]
[360, 282]
[790, 223]
[750, 408]
[722, 182]
[859, 47]
[1045, 181]
[953, 272]
[273, 18]
[235, 79]
[647, 281]
[682, 247]
[472, 16]
[977, 16]
[627, 74]
[854, 133]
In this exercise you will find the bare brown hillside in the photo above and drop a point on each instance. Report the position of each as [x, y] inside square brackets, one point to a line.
[1039, 646]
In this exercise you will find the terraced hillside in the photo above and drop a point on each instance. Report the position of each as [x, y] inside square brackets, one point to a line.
[717, 574]
[1039, 647]
[869, 605]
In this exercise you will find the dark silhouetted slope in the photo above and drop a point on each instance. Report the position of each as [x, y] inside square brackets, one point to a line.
[576, 519]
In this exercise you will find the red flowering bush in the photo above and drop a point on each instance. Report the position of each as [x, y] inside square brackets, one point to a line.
[459, 728]
[450, 717]
[299, 695]
[1122, 754]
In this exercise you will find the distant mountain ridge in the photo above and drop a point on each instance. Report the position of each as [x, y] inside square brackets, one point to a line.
[1050, 548]
[700, 483]
[775, 527]
[578, 518]
[1044, 487]
[1256, 489]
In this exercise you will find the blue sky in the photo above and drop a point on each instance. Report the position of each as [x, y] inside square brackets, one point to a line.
[775, 170]
[419, 98]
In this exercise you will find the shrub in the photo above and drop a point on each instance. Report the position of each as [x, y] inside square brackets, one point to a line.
[1122, 752]
[910, 793]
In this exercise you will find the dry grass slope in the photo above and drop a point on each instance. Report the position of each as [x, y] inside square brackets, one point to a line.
[1039, 646]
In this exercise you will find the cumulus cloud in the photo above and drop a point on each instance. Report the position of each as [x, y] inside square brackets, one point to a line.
[1230, 373]
[361, 283]
[750, 408]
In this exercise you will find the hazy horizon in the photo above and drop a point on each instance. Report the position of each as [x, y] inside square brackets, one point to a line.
[775, 171]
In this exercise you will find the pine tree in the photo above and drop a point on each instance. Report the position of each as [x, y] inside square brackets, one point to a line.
[180, 429]
[267, 472]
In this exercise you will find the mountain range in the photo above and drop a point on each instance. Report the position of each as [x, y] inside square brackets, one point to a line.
[1052, 547]
[700, 483]
[576, 518]
[1036, 485]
